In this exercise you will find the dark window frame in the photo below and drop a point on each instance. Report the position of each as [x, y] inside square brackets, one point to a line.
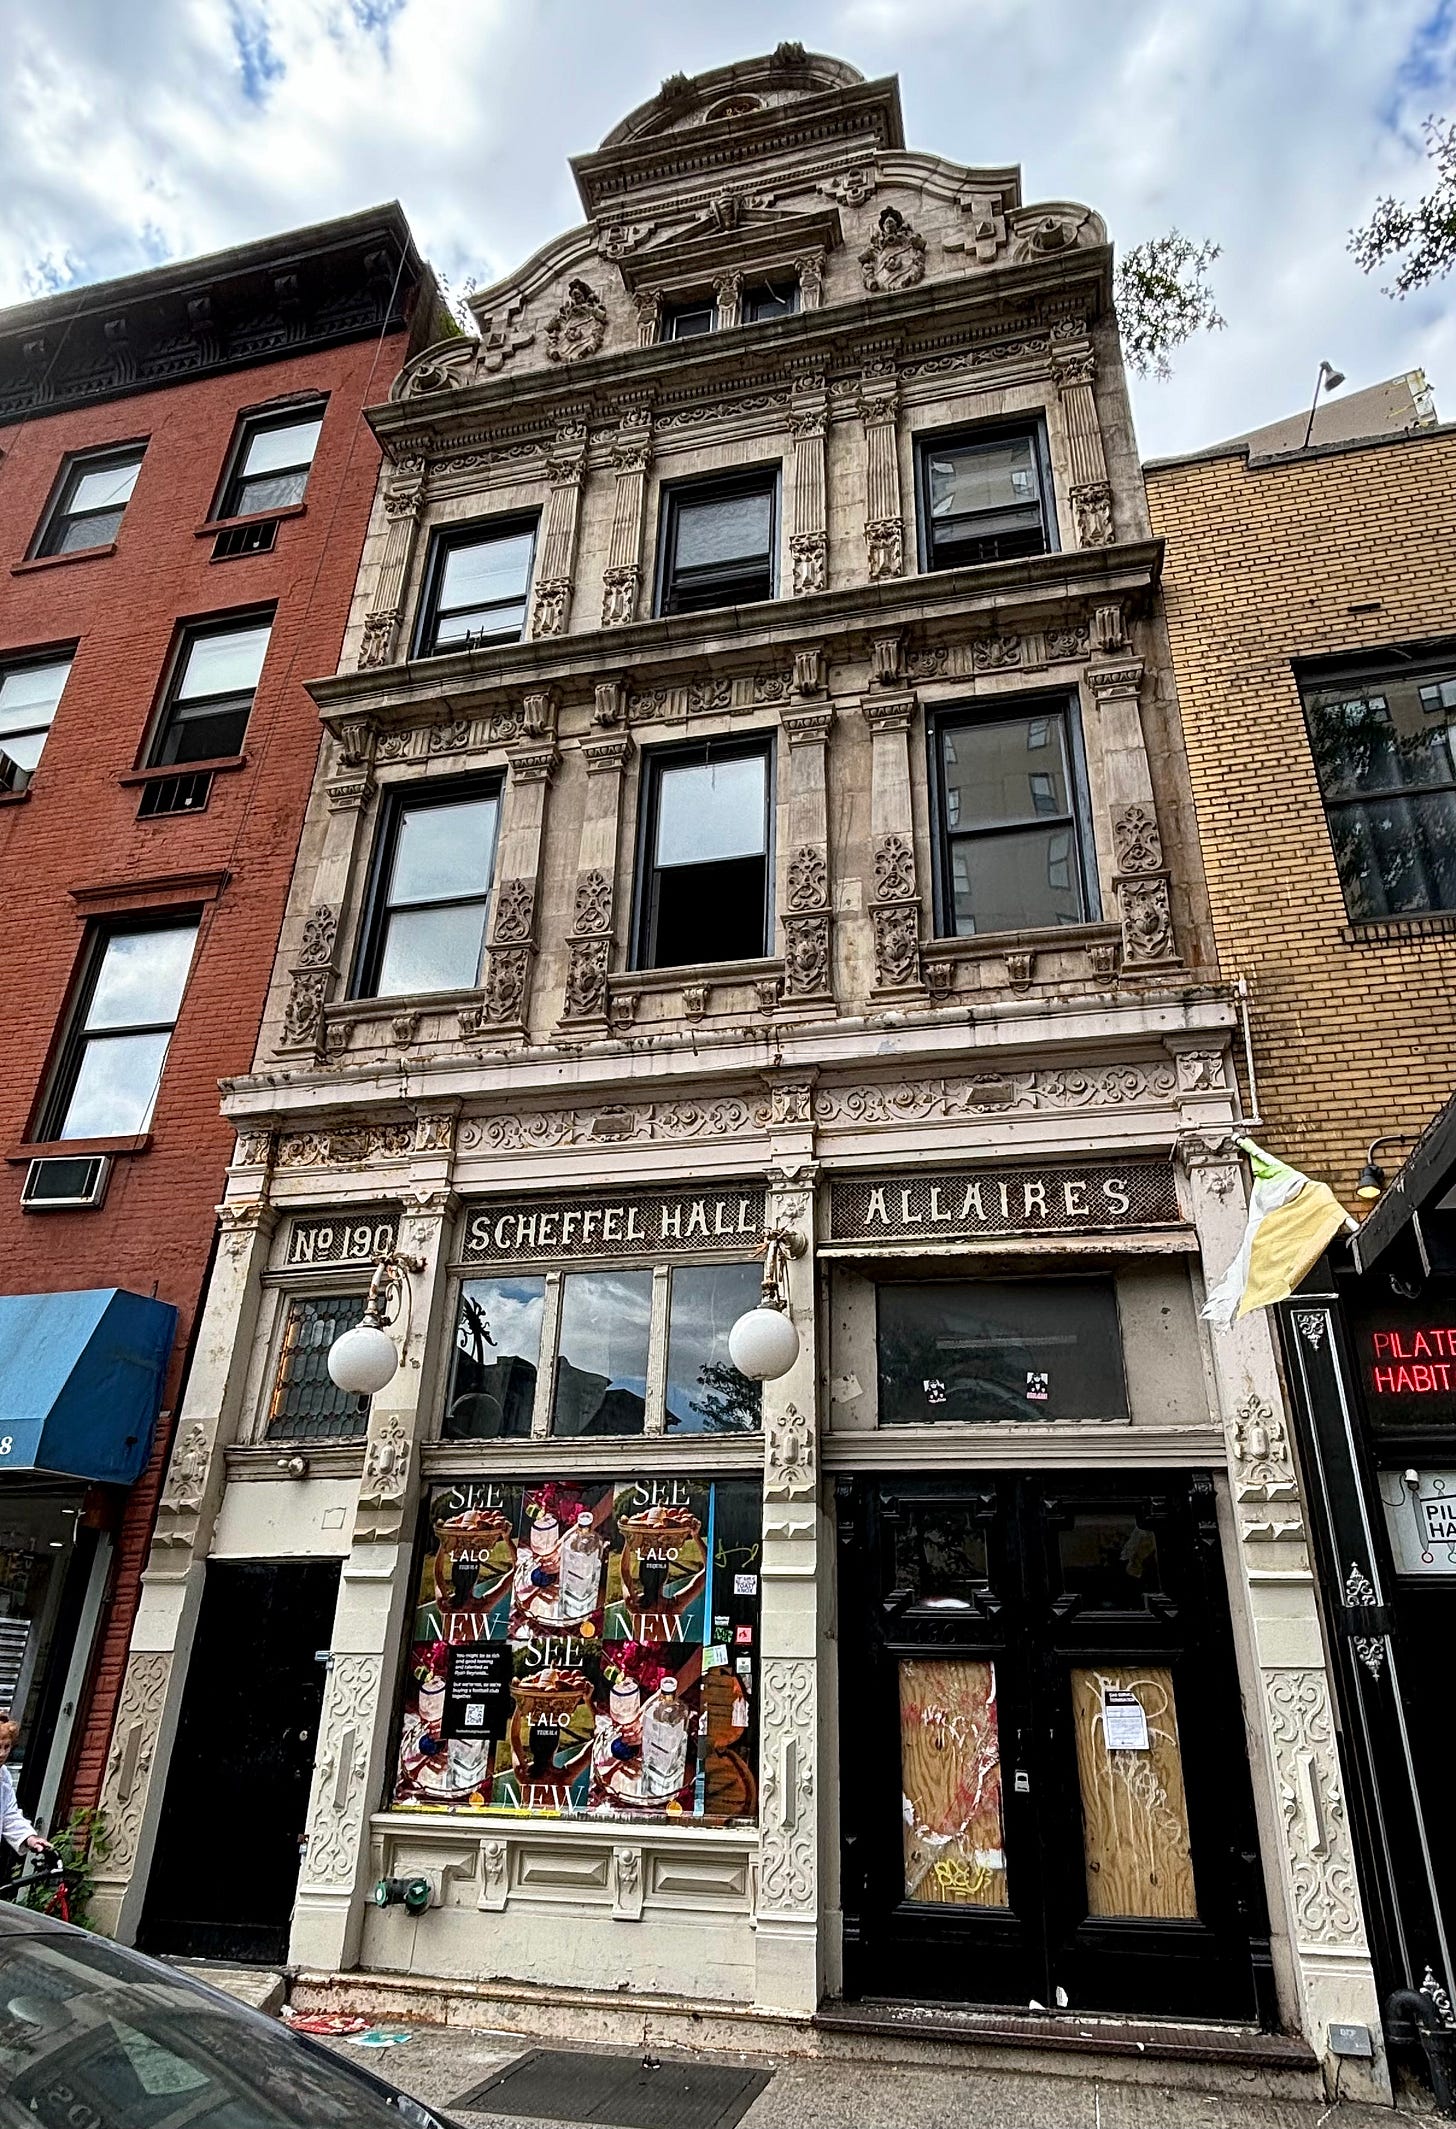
[25, 661]
[167, 717]
[251, 422]
[1003, 709]
[745, 480]
[405, 798]
[443, 540]
[654, 760]
[300, 1429]
[65, 1071]
[1365, 672]
[929, 441]
[676, 307]
[73, 469]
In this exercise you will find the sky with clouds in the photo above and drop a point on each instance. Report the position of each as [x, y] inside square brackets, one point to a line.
[142, 130]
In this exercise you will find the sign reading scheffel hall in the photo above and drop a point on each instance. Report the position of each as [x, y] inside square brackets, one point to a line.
[648, 1223]
[925, 1203]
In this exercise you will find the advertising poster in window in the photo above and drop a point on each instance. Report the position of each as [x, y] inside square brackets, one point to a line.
[586, 1647]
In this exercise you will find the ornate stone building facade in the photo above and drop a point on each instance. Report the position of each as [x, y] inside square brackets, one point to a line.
[755, 805]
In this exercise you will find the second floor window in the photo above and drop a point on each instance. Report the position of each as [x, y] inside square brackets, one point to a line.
[90, 502]
[1385, 752]
[211, 694]
[271, 462]
[29, 694]
[983, 498]
[1010, 827]
[705, 879]
[111, 1062]
[476, 587]
[718, 540]
[427, 926]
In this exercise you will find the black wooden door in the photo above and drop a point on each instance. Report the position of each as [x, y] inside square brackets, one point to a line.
[225, 1872]
[1045, 1796]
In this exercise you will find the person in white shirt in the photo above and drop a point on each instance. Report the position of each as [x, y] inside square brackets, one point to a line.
[15, 1827]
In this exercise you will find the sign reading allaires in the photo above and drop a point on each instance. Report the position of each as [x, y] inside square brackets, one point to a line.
[1413, 1363]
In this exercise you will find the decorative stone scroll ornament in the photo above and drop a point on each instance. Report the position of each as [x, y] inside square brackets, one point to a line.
[895, 255]
[379, 1514]
[810, 272]
[1317, 1842]
[789, 1472]
[648, 302]
[311, 980]
[129, 1762]
[631, 457]
[627, 1884]
[1074, 370]
[403, 501]
[579, 326]
[788, 1829]
[1136, 840]
[879, 402]
[336, 1820]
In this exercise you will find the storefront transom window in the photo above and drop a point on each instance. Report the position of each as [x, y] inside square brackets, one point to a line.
[990, 1350]
[592, 1352]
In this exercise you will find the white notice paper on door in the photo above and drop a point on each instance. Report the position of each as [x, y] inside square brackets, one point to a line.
[1124, 1725]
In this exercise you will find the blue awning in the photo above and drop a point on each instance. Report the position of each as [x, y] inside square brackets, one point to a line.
[81, 1381]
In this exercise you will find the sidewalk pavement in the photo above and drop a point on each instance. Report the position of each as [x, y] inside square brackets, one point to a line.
[440, 2064]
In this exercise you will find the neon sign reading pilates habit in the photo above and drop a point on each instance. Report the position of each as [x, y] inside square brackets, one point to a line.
[1413, 1363]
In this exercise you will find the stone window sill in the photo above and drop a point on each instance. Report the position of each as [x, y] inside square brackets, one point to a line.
[221, 765]
[216, 525]
[1390, 931]
[57, 561]
[635, 982]
[76, 1149]
[987, 945]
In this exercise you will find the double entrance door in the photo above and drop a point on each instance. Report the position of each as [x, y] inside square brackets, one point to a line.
[1044, 1787]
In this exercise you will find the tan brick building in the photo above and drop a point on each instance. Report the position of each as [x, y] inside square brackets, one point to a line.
[1283, 569]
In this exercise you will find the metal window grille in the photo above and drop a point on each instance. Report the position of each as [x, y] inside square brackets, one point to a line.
[307, 1405]
[245, 539]
[175, 794]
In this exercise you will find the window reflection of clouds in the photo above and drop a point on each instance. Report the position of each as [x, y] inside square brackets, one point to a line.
[706, 1302]
[512, 1311]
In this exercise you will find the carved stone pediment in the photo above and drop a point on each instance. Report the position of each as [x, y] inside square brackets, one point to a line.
[732, 234]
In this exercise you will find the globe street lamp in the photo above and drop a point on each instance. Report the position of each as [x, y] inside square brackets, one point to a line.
[763, 1343]
[364, 1359]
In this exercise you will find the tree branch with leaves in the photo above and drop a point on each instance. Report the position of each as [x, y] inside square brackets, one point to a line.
[1162, 298]
[1424, 233]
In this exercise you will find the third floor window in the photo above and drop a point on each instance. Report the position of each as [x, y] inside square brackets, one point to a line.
[120, 1027]
[210, 698]
[705, 873]
[717, 542]
[426, 925]
[1010, 823]
[29, 693]
[1384, 746]
[983, 498]
[89, 504]
[476, 585]
[270, 462]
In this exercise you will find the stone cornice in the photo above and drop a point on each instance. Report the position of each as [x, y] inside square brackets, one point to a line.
[612, 177]
[980, 306]
[1035, 590]
[1065, 1034]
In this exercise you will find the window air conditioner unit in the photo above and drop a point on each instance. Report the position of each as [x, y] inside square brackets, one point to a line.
[61, 1183]
[12, 776]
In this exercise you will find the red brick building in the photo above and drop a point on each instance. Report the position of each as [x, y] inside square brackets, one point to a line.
[185, 482]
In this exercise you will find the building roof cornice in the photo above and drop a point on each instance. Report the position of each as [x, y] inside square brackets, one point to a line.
[281, 296]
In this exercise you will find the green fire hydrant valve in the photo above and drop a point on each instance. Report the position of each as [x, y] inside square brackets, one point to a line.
[412, 1894]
